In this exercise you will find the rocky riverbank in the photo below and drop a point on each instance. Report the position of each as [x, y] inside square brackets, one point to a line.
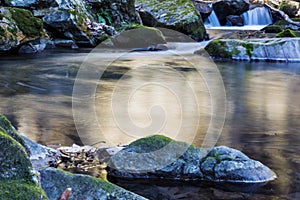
[32, 26]
[25, 173]
[25, 167]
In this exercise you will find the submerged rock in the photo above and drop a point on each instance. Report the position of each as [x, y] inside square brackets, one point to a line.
[18, 26]
[161, 157]
[178, 15]
[274, 49]
[55, 182]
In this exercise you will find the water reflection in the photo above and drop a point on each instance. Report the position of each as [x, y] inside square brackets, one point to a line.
[262, 103]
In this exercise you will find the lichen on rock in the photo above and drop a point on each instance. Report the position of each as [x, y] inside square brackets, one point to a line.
[18, 26]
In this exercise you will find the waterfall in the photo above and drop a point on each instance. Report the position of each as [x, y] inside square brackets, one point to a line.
[257, 16]
[213, 19]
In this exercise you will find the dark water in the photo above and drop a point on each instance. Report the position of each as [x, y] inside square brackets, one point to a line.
[262, 120]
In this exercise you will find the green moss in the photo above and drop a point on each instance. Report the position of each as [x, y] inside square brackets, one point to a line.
[286, 33]
[15, 163]
[273, 29]
[21, 190]
[218, 49]
[149, 144]
[28, 24]
[8, 128]
[249, 48]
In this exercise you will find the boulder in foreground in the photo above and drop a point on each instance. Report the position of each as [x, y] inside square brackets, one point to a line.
[17, 178]
[161, 157]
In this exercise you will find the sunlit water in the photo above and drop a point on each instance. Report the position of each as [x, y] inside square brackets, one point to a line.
[263, 111]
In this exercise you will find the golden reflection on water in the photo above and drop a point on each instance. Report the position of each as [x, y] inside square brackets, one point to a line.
[262, 119]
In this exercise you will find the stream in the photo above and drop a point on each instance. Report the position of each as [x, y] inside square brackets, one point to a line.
[262, 110]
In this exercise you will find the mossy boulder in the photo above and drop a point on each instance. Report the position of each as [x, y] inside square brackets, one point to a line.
[179, 15]
[272, 29]
[218, 49]
[143, 37]
[15, 163]
[163, 158]
[271, 49]
[18, 26]
[17, 180]
[6, 126]
[70, 25]
[20, 189]
[55, 182]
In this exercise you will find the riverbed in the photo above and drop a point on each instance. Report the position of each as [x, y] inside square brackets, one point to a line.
[131, 95]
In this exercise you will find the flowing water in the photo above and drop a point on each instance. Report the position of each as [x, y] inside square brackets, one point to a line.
[262, 120]
[257, 16]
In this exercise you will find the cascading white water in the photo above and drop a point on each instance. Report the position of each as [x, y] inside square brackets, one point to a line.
[257, 16]
[213, 19]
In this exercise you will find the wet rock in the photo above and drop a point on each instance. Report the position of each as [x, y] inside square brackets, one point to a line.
[271, 49]
[55, 182]
[160, 157]
[204, 8]
[69, 25]
[178, 15]
[18, 26]
[32, 47]
[234, 20]
[224, 8]
[40, 156]
[145, 37]
[64, 43]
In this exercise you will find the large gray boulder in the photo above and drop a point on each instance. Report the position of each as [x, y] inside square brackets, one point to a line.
[224, 8]
[271, 49]
[55, 182]
[160, 157]
[66, 24]
[18, 26]
[178, 15]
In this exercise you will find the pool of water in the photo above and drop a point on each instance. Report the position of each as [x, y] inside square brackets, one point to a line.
[141, 93]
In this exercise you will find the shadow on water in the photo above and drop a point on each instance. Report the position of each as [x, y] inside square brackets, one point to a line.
[263, 112]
